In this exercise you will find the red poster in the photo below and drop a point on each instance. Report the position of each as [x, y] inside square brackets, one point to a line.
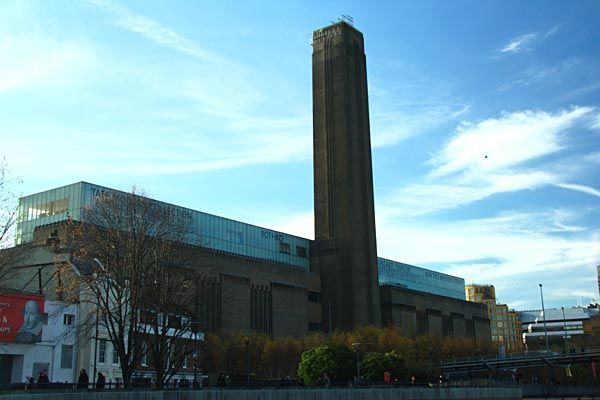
[21, 317]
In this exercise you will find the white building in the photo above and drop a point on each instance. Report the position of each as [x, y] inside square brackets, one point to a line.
[54, 351]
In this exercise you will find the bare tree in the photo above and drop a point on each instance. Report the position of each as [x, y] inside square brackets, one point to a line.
[170, 317]
[8, 218]
[138, 266]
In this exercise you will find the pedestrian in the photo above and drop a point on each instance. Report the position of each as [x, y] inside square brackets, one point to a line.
[83, 381]
[326, 380]
[43, 379]
[100, 381]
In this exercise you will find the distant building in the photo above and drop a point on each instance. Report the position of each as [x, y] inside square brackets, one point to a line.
[564, 327]
[504, 322]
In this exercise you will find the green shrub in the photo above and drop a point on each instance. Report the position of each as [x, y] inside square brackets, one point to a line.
[338, 362]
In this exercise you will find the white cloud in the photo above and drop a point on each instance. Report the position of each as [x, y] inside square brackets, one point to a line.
[497, 143]
[596, 123]
[392, 127]
[421, 199]
[493, 250]
[552, 31]
[519, 43]
[155, 31]
[510, 248]
[525, 42]
[579, 188]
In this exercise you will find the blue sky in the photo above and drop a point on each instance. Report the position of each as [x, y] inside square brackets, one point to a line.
[208, 105]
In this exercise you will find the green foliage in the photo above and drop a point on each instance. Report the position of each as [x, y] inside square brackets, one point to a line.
[338, 362]
[373, 365]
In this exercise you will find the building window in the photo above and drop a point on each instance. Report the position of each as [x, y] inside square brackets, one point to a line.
[314, 297]
[144, 360]
[314, 326]
[115, 356]
[68, 319]
[284, 247]
[66, 356]
[301, 251]
[102, 351]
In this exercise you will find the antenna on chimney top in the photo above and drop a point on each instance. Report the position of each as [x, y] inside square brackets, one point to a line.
[348, 19]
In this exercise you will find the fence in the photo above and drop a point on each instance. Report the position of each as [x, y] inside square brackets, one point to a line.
[410, 393]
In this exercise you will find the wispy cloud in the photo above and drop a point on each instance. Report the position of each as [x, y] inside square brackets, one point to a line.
[410, 107]
[519, 44]
[154, 31]
[490, 157]
[554, 74]
[552, 31]
[525, 42]
[579, 188]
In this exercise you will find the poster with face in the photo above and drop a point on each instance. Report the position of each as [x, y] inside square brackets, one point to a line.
[21, 317]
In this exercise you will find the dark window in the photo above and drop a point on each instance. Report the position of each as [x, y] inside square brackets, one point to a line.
[66, 356]
[284, 247]
[314, 297]
[301, 251]
[314, 326]
[102, 351]
[422, 323]
[447, 328]
[175, 321]
[68, 319]
[115, 356]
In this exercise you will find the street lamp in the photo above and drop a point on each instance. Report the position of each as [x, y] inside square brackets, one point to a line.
[544, 318]
[357, 347]
[246, 338]
[430, 363]
[565, 326]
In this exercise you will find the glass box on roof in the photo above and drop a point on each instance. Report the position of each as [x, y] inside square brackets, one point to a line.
[211, 231]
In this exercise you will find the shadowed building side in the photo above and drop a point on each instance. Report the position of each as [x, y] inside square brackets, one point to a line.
[344, 251]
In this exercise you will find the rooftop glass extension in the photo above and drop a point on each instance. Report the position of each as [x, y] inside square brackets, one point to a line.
[423, 280]
[211, 231]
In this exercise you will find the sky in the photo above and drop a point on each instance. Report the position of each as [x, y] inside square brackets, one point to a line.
[485, 122]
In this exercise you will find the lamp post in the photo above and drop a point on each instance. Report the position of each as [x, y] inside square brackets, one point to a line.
[565, 327]
[246, 338]
[430, 364]
[357, 347]
[544, 318]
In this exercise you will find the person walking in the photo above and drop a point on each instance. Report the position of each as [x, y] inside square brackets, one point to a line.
[43, 380]
[83, 381]
[100, 381]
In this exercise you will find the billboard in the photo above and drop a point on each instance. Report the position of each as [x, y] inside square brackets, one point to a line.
[21, 317]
